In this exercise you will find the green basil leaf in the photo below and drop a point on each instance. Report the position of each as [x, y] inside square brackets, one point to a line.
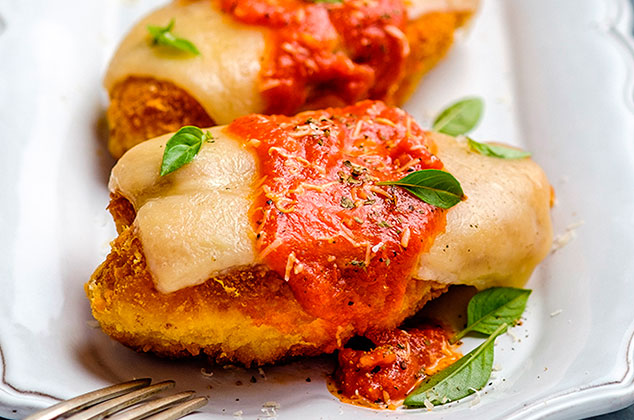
[460, 117]
[164, 36]
[493, 307]
[468, 374]
[435, 187]
[498, 151]
[182, 147]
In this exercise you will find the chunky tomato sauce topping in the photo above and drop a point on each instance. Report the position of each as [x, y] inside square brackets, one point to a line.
[327, 53]
[346, 246]
[396, 362]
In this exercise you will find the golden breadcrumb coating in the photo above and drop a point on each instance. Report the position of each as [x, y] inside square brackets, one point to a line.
[142, 107]
[248, 316]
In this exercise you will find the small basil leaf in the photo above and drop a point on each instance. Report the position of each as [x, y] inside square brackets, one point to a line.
[182, 147]
[460, 117]
[493, 307]
[498, 151]
[468, 374]
[435, 187]
[164, 36]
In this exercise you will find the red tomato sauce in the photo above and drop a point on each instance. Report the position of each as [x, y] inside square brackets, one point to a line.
[337, 52]
[398, 361]
[346, 246]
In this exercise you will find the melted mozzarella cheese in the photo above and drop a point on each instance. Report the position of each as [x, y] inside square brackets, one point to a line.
[418, 8]
[223, 78]
[501, 231]
[194, 223]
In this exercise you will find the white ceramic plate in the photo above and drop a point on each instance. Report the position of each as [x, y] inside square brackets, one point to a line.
[558, 79]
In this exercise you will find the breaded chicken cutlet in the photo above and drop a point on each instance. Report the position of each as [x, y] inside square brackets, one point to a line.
[195, 270]
[247, 316]
[154, 90]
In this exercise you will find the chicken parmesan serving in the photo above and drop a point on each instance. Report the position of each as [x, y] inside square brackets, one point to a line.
[286, 236]
[207, 62]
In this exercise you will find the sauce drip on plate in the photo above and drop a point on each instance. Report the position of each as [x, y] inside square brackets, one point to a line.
[327, 53]
[392, 364]
[346, 246]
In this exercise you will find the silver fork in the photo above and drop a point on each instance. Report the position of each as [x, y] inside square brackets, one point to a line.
[111, 400]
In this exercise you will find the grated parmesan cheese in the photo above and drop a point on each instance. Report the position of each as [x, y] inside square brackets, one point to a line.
[286, 155]
[346, 234]
[299, 267]
[357, 129]
[269, 409]
[368, 255]
[379, 191]
[385, 121]
[564, 238]
[288, 47]
[376, 247]
[278, 199]
[290, 261]
[408, 165]
[477, 398]
[270, 248]
[405, 237]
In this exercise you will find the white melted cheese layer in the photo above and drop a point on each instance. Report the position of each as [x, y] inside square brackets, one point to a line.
[501, 231]
[224, 77]
[418, 8]
[194, 222]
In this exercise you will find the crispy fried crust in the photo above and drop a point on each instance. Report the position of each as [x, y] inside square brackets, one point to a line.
[248, 316]
[122, 212]
[143, 107]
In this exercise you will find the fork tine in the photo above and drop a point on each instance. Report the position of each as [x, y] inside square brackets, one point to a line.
[152, 407]
[116, 404]
[89, 398]
[181, 409]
